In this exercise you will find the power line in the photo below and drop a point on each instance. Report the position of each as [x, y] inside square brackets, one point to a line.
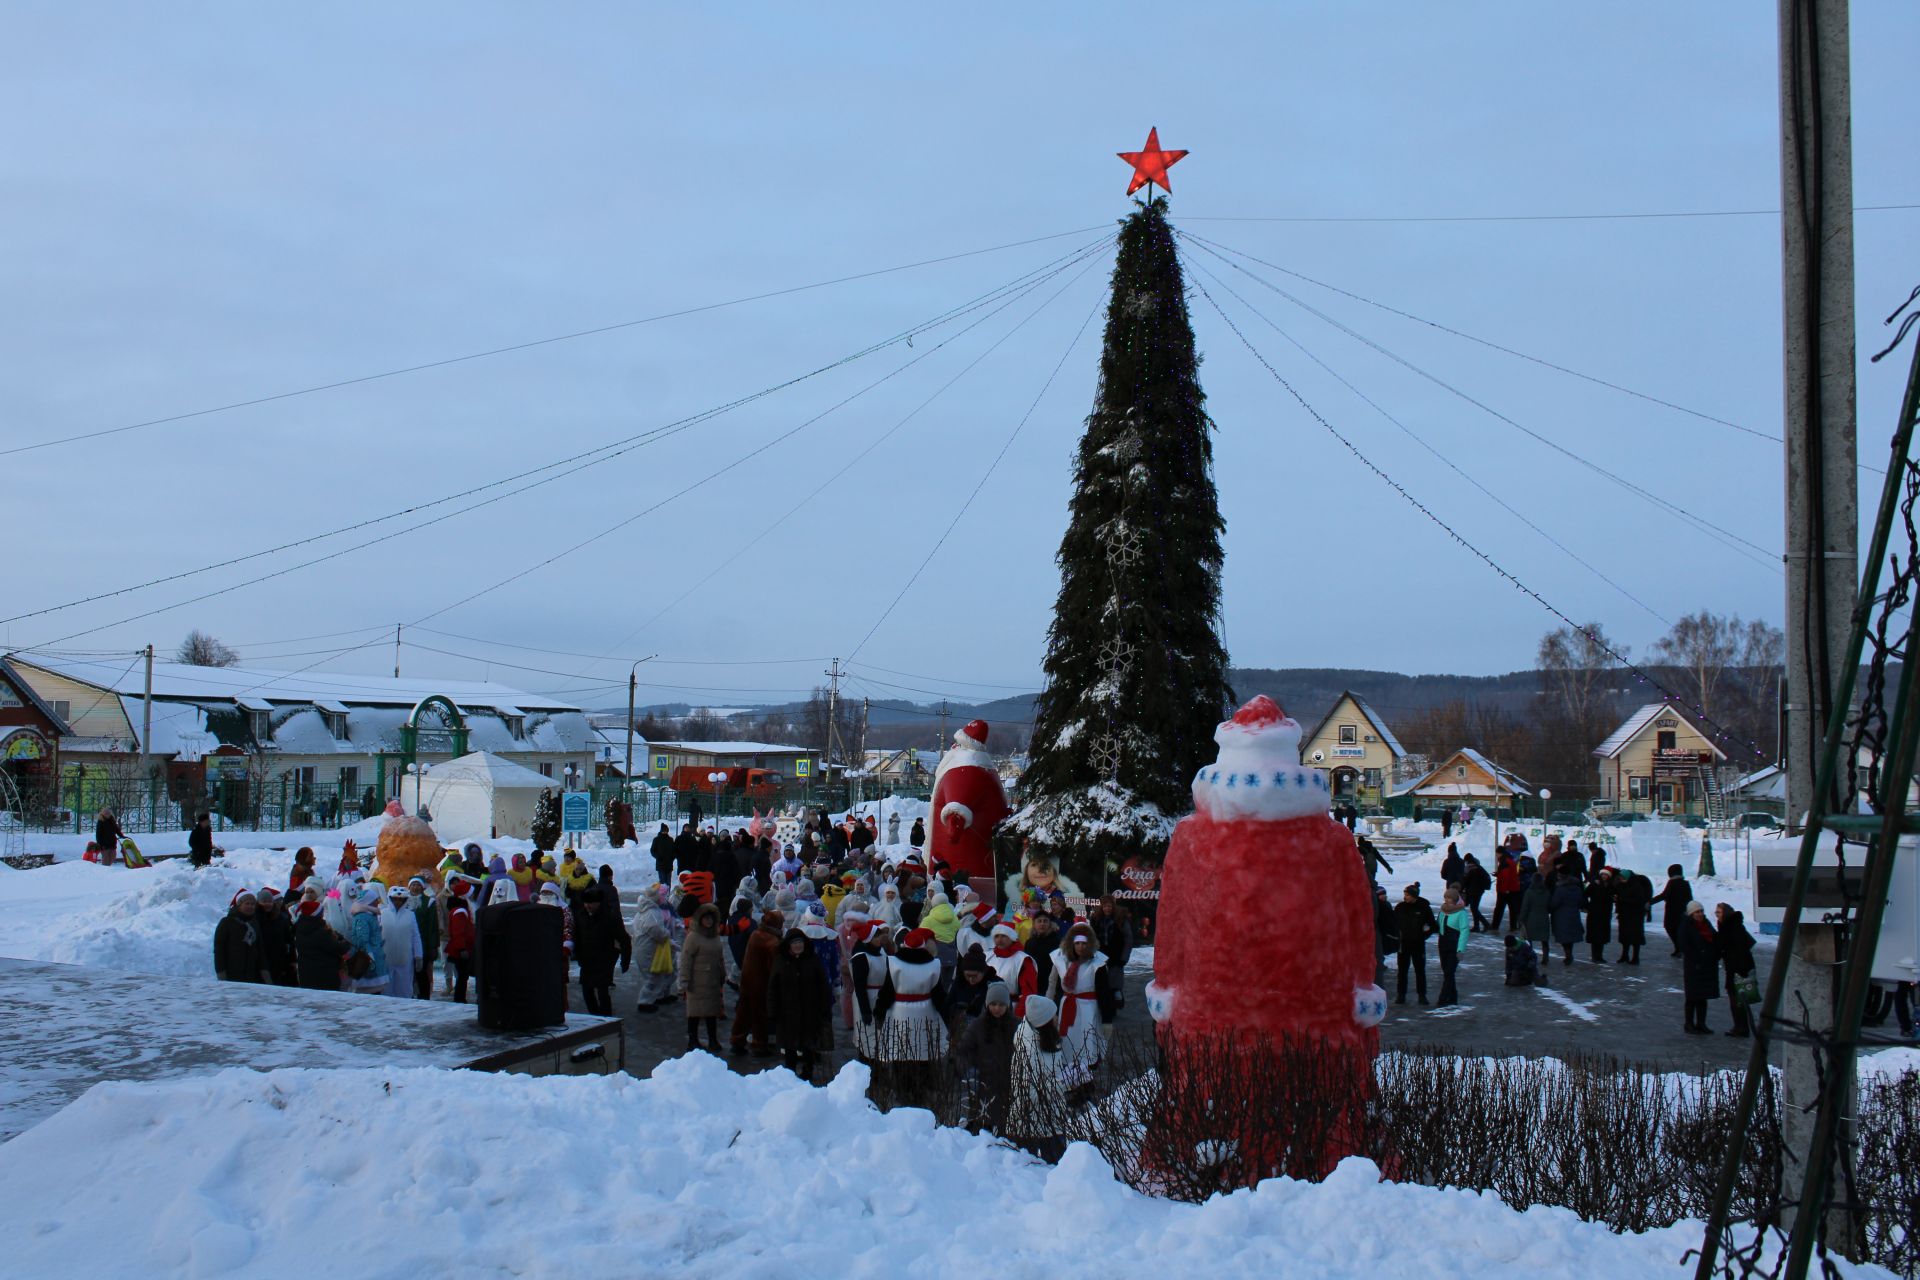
[601, 657]
[854, 461]
[913, 675]
[1549, 217]
[1453, 533]
[752, 453]
[1448, 462]
[560, 468]
[1489, 343]
[985, 476]
[1727, 537]
[532, 343]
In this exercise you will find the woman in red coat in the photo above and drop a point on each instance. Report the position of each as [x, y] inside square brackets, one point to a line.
[1506, 890]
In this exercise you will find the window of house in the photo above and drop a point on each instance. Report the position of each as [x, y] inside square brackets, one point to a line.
[516, 726]
[349, 781]
[1665, 740]
[546, 768]
[63, 709]
[1459, 771]
[303, 781]
[1639, 788]
[8, 698]
[1349, 733]
[1372, 780]
[261, 723]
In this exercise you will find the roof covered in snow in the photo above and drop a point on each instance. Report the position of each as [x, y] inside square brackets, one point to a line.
[1433, 783]
[1379, 726]
[495, 772]
[179, 680]
[1637, 723]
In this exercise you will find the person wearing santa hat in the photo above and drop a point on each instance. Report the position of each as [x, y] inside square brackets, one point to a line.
[1013, 966]
[914, 1005]
[978, 935]
[968, 803]
[870, 972]
[236, 942]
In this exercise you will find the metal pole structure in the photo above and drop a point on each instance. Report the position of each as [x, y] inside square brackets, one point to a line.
[833, 717]
[146, 736]
[396, 651]
[1822, 517]
[1816, 244]
[1830, 764]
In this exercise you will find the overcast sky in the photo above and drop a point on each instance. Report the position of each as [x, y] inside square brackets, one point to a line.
[202, 204]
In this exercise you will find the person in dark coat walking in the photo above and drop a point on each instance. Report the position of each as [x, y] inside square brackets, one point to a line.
[1565, 900]
[596, 945]
[1414, 921]
[686, 851]
[918, 836]
[616, 916]
[1674, 898]
[1506, 890]
[800, 1004]
[1596, 861]
[1736, 953]
[662, 850]
[1474, 881]
[1446, 823]
[1452, 867]
[236, 942]
[1386, 933]
[1699, 967]
[1536, 919]
[1630, 897]
[1600, 915]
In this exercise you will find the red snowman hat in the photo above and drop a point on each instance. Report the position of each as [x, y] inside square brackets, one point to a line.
[917, 938]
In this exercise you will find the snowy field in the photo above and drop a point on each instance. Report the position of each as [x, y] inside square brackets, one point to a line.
[696, 1172]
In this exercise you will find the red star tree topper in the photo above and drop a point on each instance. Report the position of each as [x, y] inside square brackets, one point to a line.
[1151, 165]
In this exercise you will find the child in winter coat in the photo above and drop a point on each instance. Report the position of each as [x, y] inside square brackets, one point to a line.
[985, 1055]
[1037, 1098]
[750, 1023]
[703, 977]
[460, 937]
[363, 933]
[1522, 965]
[799, 1004]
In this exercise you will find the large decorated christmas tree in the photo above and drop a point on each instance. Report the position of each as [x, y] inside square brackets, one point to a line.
[1136, 673]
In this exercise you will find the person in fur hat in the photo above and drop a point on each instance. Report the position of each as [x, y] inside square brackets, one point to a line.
[703, 977]
[914, 1004]
[1082, 987]
[800, 1004]
[750, 1022]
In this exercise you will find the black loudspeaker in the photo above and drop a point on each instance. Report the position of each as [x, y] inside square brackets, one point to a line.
[521, 967]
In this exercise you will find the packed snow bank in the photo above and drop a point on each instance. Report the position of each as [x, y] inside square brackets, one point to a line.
[696, 1172]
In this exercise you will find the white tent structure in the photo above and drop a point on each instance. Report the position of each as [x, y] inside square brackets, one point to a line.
[478, 796]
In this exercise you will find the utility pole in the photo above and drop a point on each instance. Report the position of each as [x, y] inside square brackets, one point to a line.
[146, 735]
[942, 743]
[833, 715]
[633, 687]
[1816, 243]
[396, 651]
[866, 710]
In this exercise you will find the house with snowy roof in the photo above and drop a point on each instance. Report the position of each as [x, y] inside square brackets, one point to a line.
[1356, 749]
[1470, 778]
[1659, 761]
[333, 738]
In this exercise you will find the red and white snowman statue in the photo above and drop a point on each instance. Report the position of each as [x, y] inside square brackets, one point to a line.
[968, 803]
[1265, 926]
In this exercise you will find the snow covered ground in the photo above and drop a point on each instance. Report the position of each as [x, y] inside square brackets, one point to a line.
[696, 1172]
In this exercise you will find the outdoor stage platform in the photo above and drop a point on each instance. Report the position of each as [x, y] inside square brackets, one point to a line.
[65, 1028]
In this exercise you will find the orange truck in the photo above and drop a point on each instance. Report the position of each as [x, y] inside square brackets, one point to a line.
[759, 784]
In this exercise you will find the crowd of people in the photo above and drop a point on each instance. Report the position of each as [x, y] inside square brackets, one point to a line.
[797, 948]
[1569, 900]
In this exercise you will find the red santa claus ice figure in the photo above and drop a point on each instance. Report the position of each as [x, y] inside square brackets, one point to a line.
[1265, 923]
[968, 803]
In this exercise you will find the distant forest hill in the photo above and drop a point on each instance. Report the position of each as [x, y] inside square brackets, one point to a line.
[1307, 693]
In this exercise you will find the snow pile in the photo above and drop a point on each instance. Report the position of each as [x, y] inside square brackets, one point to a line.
[696, 1172]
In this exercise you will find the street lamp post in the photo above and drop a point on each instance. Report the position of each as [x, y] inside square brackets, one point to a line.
[719, 779]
